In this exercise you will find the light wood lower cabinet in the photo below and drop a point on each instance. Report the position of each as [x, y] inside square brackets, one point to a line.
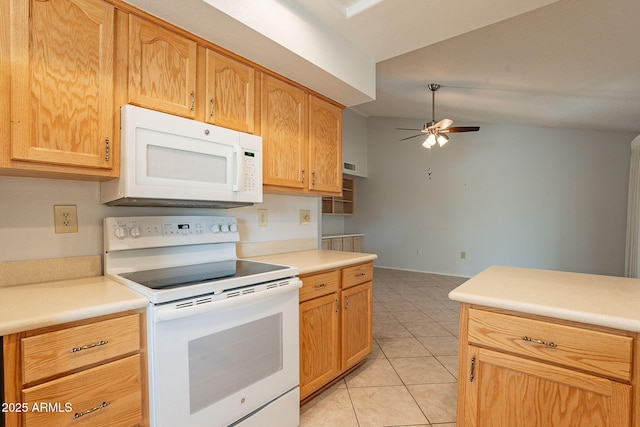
[89, 373]
[517, 370]
[335, 324]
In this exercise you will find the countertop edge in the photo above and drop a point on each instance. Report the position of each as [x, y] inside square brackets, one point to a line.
[621, 323]
[337, 264]
[82, 299]
[66, 316]
[316, 260]
[606, 301]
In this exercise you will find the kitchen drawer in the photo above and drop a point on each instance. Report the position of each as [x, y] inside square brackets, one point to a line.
[107, 395]
[316, 285]
[357, 274]
[589, 350]
[49, 354]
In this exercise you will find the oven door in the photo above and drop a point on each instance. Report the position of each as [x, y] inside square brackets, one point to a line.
[229, 361]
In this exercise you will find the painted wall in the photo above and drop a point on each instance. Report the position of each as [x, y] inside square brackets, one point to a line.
[512, 195]
[27, 231]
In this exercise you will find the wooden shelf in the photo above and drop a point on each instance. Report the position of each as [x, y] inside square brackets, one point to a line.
[343, 205]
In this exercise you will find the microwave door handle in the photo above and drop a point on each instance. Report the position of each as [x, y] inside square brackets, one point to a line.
[238, 160]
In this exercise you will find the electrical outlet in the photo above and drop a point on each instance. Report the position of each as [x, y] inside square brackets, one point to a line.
[305, 217]
[463, 255]
[65, 218]
[263, 217]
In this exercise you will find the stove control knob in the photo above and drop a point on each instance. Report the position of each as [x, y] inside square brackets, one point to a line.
[215, 228]
[135, 232]
[120, 232]
[225, 228]
[233, 228]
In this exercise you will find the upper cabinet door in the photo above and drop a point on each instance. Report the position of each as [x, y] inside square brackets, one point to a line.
[162, 69]
[62, 73]
[230, 92]
[325, 146]
[284, 134]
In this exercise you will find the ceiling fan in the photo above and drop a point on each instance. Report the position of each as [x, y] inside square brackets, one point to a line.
[437, 131]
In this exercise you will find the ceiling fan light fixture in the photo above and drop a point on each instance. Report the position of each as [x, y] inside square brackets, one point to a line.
[430, 141]
[442, 139]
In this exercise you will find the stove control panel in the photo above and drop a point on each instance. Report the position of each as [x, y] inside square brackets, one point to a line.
[157, 231]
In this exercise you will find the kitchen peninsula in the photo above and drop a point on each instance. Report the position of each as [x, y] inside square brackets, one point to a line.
[552, 348]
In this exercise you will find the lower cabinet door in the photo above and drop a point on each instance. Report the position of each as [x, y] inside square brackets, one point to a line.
[357, 312]
[510, 391]
[107, 395]
[319, 343]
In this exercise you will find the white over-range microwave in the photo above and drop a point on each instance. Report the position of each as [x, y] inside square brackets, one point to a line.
[168, 160]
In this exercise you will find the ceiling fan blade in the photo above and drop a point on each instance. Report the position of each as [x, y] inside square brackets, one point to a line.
[461, 129]
[443, 124]
[417, 130]
[414, 136]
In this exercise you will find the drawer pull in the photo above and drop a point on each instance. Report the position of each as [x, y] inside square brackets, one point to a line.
[361, 275]
[550, 344]
[88, 411]
[86, 347]
[321, 285]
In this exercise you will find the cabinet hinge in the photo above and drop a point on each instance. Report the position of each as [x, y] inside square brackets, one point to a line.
[107, 149]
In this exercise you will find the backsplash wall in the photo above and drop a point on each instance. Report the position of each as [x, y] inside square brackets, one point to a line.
[27, 230]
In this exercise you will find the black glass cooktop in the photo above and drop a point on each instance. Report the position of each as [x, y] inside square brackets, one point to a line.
[175, 277]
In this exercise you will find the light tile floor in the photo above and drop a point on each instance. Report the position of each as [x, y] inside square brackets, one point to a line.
[410, 379]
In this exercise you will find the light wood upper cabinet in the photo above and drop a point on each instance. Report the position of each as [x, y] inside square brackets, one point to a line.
[302, 140]
[62, 83]
[162, 69]
[325, 146]
[230, 93]
[284, 134]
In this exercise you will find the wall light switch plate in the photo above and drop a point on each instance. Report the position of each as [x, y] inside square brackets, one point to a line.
[65, 218]
[305, 217]
[263, 217]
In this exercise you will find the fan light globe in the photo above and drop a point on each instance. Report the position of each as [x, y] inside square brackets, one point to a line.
[430, 141]
[442, 139]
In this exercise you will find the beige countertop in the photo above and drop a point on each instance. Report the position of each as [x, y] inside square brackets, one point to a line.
[593, 299]
[316, 260]
[33, 306]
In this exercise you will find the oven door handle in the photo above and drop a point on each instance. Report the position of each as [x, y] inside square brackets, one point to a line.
[170, 312]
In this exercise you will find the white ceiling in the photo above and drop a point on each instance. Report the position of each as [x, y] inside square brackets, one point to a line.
[574, 63]
[566, 63]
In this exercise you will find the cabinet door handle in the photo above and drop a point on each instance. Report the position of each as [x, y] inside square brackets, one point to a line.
[337, 305]
[346, 302]
[193, 100]
[87, 347]
[321, 285]
[361, 275]
[472, 369]
[303, 176]
[533, 340]
[107, 149]
[212, 107]
[88, 411]
[313, 178]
